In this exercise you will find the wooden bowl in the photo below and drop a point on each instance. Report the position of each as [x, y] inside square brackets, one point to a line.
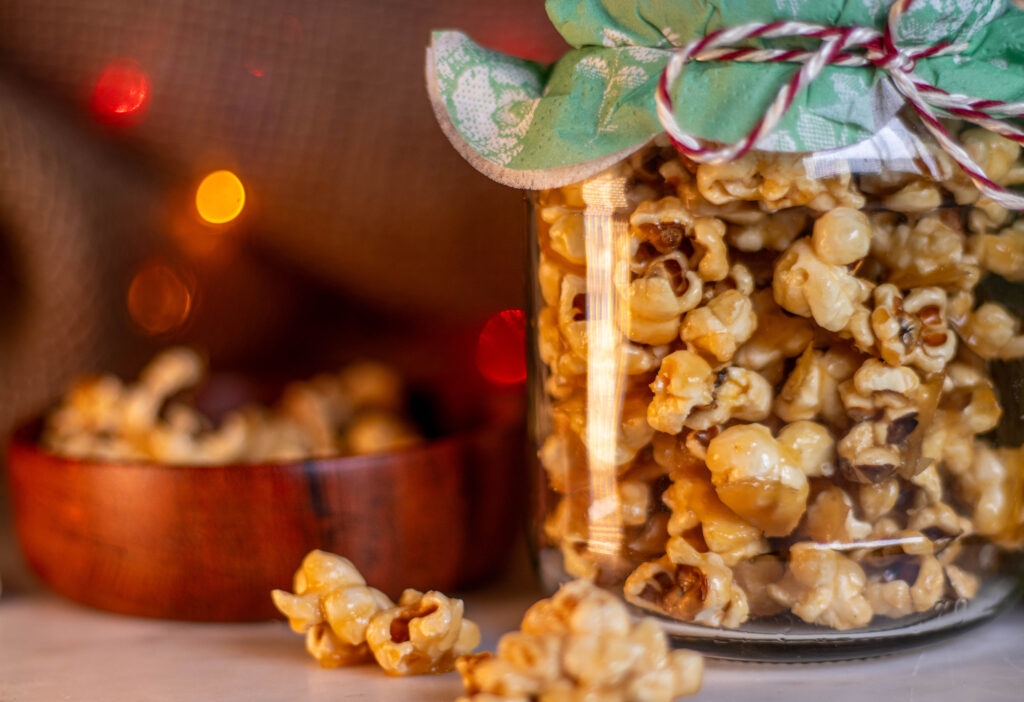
[209, 543]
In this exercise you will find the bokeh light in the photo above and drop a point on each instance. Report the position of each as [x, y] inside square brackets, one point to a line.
[159, 298]
[122, 93]
[501, 348]
[220, 197]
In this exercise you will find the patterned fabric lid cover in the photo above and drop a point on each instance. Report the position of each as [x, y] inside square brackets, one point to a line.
[530, 125]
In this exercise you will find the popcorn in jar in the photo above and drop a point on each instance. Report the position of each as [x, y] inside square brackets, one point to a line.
[776, 337]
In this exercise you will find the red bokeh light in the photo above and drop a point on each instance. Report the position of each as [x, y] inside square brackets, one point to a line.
[501, 348]
[122, 93]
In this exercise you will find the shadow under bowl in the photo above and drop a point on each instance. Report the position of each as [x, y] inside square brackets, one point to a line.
[209, 543]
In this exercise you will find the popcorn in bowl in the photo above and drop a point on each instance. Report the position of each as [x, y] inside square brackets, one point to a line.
[358, 410]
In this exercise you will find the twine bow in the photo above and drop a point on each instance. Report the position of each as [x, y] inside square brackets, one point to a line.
[842, 46]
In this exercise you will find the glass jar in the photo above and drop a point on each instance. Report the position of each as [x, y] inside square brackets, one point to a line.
[777, 402]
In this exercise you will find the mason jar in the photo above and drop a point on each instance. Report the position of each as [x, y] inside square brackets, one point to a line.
[776, 402]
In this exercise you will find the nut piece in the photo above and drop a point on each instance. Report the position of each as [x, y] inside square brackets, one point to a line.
[332, 605]
[688, 585]
[580, 644]
[423, 634]
[684, 381]
[758, 478]
[823, 587]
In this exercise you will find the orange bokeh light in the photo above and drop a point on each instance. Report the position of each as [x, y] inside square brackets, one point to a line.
[159, 299]
[501, 348]
[122, 93]
[220, 197]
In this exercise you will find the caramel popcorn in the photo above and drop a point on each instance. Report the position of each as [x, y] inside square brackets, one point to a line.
[689, 585]
[1003, 253]
[581, 644]
[667, 223]
[358, 410]
[721, 326]
[333, 606]
[425, 633]
[659, 298]
[913, 330]
[685, 381]
[347, 622]
[809, 286]
[696, 505]
[738, 394]
[993, 333]
[758, 478]
[823, 587]
[822, 406]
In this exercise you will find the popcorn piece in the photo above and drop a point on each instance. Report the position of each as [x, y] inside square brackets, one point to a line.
[425, 633]
[899, 598]
[688, 585]
[993, 487]
[632, 433]
[775, 231]
[375, 431]
[994, 153]
[668, 224]
[841, 236]
[754, 576]
[830, 518]
[758, 478]
[890, 400]
[695, 505]
[928, 253]
[777, 336]
[549, 279]
[992, 333]
[659, 298]
[823, 587]
[567, 238]
[777, 180]
[721, 326]
[806, 285]
[1003, 253]
[968, 407]
[913, 330]
[878, 499]
[813, 447]
[333, 606]
[580, 644]
[565, 367]
[916, 197]
[684, 381]
[738, 394]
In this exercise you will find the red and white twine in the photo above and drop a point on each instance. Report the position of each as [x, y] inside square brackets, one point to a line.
[842, 46]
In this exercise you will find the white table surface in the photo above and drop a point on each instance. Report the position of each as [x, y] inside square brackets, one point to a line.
[53, 650]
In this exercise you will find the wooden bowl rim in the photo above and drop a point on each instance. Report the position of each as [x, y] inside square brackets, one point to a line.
[25, 438]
